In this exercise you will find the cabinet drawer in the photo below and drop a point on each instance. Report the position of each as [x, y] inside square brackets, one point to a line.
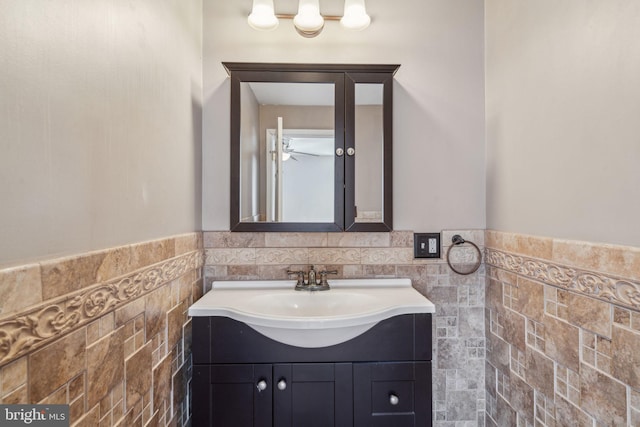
[392, 397]
[396, 394]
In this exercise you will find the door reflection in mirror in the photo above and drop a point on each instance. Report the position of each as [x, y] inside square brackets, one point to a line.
[305, 157]
[300, 189]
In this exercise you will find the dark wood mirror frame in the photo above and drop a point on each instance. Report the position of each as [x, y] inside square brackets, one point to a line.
[345, 77]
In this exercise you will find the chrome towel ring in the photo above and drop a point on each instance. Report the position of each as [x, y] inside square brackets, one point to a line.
[457, 241]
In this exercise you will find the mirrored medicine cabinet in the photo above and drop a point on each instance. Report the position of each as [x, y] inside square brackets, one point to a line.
[311, 147]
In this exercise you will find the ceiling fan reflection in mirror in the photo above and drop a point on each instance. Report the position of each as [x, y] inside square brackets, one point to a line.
[304, 142]
[289, 151]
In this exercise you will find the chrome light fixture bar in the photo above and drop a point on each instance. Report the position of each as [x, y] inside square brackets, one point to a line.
[308, 21]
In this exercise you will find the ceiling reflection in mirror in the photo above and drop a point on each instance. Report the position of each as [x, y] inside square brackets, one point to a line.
[287, 152]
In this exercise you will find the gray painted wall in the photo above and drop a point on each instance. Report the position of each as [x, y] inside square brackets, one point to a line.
[100, 124]
[562, 107]
[439, 150]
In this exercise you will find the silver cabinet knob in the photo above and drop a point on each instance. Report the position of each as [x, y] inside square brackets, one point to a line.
[282, 384]
[393, 399]
[262, 385]
[351, 151]
[339, 152]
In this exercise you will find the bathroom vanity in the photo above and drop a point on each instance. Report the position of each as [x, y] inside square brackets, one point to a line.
[380, 377]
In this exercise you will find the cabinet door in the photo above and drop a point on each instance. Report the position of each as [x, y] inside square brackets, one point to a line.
[313, 395]
[392, 394]
[238, 395]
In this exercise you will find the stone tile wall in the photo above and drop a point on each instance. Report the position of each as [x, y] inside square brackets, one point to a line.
[563, 332]
[105, 332]
[458, 326]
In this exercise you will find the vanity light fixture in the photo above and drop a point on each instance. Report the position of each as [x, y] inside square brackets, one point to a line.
[262, 16]
[308, 21]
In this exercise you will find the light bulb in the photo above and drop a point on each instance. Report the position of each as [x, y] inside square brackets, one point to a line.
[308, 20]
[355, 15]
[262, 16]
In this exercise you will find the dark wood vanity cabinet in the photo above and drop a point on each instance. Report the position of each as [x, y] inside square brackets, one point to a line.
[380, 378]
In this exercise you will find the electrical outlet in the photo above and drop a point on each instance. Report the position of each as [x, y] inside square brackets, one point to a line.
[426, 245]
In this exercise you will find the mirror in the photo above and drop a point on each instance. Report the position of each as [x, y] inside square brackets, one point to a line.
[310, 147]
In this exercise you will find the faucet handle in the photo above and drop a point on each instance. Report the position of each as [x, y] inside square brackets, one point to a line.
[300, 277]
[323, 276]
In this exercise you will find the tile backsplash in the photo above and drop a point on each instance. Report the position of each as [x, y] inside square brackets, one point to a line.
[105, 332]
[563, 332]
[545, 333]
[458, 326]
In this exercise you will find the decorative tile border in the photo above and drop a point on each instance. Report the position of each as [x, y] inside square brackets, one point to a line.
[600, 286]
[23, 332]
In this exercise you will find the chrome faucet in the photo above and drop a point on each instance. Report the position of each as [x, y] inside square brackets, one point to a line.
[312, 283]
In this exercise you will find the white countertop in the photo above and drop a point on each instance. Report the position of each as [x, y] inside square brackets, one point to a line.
[312, 319]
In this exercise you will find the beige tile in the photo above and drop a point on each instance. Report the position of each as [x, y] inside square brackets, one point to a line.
[176, 318]
[380, 270]
[622, 261]
[626, 356]
[535, 246]
[148, 253]
[506, 242]
[589, 313]
[521, 398]
[188, 243]
[93, 332]
[515, 329]
[334, 256]
[20, 287]
[129, 311]
[570, 415]
[181, 287]
[13, 375]
[277, 271]
[105, 366]
[227, 239]
[63, 276]
[162, 382]
[493, 294]
[56, 364]
[387, 255]
[531, 246]
[562, 342]
[77, 387]
[603, 397]
[539, 372]
[359, 240]
[116, 262]
[498, 353]
[530, 299]
[295, 240]
[622, 316]
[90, 419]
[138, 376]
[58, 397]
[230, 256]
[401, 239]
[17, 396]
[493, 239]
[157, 304]
[282, 255]
[353, 271]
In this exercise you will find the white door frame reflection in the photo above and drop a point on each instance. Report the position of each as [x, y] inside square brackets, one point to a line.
[296, 157]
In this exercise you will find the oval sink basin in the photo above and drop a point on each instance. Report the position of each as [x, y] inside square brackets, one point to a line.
[312, 319]
[310, 304]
